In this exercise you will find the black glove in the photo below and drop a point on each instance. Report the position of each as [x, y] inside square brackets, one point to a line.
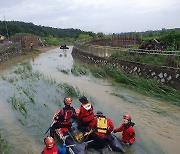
[114, 131]
[59, 117]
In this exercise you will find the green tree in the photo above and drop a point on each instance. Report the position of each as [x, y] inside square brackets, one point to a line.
[84, 36]
[51, 40]
[100, 35]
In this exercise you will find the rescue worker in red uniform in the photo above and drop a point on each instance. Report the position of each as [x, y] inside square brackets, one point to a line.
[63, 118]
[101, 126]
[86, 113]
[51, 148]
[128, 131]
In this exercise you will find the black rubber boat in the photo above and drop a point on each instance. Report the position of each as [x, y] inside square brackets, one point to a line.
[64, 47]
[77, 142]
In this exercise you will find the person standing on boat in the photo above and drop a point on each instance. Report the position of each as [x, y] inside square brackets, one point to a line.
[63, 118]
[51, 148]
[86, 113]
[128, 131]
[101, 126]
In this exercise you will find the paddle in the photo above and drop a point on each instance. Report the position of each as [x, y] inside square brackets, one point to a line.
[49, 128]
[71, 151]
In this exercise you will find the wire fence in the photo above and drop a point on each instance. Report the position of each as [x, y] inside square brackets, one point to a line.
[153, 57]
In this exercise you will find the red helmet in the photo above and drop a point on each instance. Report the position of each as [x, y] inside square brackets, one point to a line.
[67, 100]
[49, 141]
[127, 117]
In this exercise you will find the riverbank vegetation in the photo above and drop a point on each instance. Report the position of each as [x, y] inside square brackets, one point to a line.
[76, 70]
[145, 86]
[169, 39]
[50, 40]
[152, 59]
[165, 40]
[29, 85]
[4, 146]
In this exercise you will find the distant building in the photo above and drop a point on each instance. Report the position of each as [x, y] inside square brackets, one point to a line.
[26, 40]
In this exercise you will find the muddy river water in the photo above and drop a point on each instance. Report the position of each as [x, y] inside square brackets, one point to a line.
[157, 123]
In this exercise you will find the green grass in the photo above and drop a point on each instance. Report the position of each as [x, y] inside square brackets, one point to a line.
[24, 67]
[62, 70]
[155, 60]
[48, 80]
[28, 94]
[4, 146]
[18, 104]
[70, 90]
[27, 85]
[99, 73]
[142, 85]
[79, 70]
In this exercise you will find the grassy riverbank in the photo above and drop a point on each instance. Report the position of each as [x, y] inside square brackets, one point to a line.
[142, 85]
[155, 60]
[145, 86]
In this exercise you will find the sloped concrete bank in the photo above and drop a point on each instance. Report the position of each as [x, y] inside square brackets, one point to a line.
[167, 75]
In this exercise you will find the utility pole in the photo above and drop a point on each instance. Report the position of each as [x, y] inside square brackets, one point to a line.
[6, 28]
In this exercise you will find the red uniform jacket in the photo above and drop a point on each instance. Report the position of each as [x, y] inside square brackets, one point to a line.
[110, 127]
[86, 113]
[128, 134]
[54, 150]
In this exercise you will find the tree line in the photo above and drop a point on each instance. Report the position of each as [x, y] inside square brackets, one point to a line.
[13, 27]
[170, 38]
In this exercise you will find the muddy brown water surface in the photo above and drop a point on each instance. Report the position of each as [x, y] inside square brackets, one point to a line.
[157, 123]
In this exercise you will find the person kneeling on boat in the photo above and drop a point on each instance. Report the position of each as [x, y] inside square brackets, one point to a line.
[101, 126]
[51, 148]
[63, 118]
[86, 113]
[128, 131]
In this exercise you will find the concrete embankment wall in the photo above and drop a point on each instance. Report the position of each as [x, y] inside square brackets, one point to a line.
[9, 50]
[166, 75]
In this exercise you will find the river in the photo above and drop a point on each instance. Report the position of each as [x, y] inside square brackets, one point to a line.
[156, 123]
